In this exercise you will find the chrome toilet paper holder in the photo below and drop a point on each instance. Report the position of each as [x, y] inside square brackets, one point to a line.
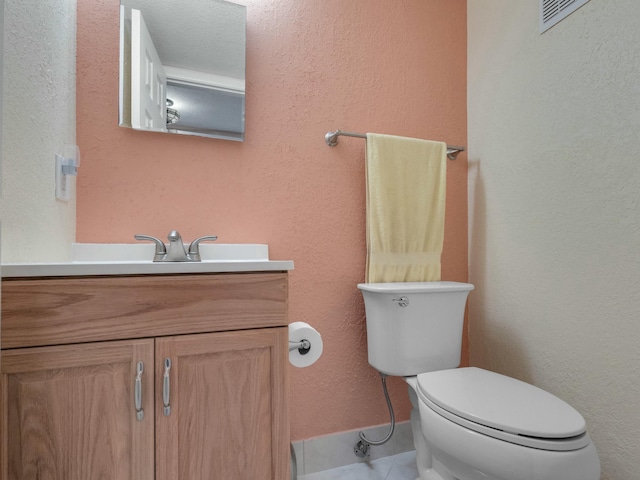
[303, 346]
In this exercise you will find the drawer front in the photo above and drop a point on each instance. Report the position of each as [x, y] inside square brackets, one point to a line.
[53, 311]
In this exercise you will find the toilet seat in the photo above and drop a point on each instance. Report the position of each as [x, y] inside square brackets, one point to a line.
[503, 408]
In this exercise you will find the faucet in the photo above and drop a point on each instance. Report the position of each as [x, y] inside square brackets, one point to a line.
[176, 252]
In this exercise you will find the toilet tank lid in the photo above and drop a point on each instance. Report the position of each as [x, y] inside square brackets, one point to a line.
[501, 402]
[416, 287]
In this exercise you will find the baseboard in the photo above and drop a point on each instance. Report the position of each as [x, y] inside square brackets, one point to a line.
[336, 450]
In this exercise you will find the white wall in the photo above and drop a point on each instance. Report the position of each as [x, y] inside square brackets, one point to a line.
[554, 148]
[38, 119]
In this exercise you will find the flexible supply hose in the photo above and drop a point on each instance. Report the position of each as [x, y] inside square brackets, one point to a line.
[362, 448]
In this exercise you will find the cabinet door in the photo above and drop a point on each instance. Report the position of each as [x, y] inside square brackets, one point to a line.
[68, 412]
[228, 415]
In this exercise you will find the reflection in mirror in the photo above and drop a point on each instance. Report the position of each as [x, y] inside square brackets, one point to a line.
[182, 67]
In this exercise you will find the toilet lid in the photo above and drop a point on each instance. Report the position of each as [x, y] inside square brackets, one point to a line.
[503, 403]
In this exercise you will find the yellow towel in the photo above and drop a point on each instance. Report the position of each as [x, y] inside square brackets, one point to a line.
[406, 189]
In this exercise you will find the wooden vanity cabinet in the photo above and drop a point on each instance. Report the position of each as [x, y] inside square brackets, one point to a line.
[68, 404]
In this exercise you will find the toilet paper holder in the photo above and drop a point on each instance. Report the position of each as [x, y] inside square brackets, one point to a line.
[303, 346]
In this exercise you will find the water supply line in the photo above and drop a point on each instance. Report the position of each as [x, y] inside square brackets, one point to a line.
[361, 449]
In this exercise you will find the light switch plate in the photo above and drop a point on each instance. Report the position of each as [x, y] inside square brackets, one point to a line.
[63, 182]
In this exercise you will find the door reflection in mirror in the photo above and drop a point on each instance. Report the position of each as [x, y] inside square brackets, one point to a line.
[182, 67]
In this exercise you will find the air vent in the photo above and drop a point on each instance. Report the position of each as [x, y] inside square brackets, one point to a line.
[552, 11]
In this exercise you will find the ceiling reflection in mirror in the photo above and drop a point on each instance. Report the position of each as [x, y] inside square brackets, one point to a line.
[182, 67]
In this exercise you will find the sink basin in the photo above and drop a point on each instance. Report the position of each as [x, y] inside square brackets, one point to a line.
[137, 259]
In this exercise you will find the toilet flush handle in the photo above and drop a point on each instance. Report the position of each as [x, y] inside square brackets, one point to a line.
[402, 301]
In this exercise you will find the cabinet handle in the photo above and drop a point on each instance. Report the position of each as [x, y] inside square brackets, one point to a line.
[166, 387]
[138, 391]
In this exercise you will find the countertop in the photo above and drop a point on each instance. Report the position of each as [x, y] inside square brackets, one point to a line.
[131, 259]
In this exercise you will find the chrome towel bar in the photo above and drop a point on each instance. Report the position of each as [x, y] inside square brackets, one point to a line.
[332, 140]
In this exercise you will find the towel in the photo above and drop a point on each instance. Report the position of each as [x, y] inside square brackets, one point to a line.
[406, 189]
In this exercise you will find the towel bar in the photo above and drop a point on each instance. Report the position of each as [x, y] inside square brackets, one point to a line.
[332, 140]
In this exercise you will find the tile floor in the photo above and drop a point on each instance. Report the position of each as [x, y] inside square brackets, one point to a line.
[397, 467]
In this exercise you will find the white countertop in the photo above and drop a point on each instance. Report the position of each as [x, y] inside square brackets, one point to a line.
[136, 259]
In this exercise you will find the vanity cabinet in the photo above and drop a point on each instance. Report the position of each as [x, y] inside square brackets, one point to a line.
[145, 377]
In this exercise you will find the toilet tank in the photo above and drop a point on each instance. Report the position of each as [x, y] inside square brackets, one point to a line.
[414, 327]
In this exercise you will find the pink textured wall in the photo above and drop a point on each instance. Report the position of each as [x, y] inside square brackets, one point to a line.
[312, 66]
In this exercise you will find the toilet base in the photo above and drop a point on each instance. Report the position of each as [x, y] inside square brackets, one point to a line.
[428, 467]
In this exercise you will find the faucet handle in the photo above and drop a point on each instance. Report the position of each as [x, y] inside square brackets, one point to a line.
[194, 247]
[161, 249]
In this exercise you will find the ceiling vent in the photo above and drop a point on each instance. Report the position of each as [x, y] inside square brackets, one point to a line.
[552, 11]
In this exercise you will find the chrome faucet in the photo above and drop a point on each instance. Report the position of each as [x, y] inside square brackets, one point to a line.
[176, 252]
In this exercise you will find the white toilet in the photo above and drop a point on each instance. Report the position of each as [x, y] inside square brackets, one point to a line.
[468, 423]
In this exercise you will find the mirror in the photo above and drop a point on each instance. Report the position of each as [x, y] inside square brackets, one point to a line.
[182, 67]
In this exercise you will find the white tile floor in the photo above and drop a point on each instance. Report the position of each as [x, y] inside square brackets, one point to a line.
[397, 467]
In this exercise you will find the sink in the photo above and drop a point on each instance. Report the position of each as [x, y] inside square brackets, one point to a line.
[137, 259]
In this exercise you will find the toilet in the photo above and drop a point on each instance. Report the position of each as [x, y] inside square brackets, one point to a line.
[468, 423]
